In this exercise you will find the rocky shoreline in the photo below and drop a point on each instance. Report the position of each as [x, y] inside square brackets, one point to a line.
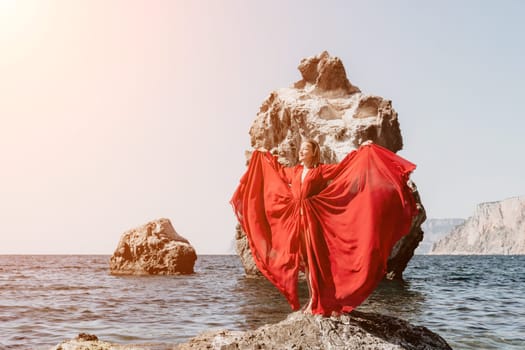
[357, 330]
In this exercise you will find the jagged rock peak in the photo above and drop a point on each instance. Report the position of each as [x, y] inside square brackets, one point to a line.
[325, 107]
[324, 73]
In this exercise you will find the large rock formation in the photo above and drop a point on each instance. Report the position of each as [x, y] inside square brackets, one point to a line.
[435, 229]
[153, 249]
[326, 107]
[495, 228]
[355, 331]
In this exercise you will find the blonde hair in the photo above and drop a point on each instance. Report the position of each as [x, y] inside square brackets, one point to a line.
[316, 150]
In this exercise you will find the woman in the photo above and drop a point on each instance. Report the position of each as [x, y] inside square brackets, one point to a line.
[336, 222]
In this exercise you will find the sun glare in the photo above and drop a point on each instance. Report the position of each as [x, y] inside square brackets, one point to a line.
[7, 4]
[8, 10]
[16, 17]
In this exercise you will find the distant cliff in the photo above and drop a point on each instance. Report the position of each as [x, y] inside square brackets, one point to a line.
[434, 230]
[495, 228]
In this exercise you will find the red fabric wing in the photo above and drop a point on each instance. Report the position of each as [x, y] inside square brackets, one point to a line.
[264, 206]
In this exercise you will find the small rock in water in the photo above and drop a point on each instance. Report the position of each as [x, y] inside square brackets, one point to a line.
[86, 337]
[153, 249]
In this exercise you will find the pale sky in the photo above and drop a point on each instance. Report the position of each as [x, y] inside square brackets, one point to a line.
[114, 113]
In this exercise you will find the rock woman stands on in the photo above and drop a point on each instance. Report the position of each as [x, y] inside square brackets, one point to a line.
[336, 222]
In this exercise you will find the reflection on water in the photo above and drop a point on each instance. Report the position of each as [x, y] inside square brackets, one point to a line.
[261, 303]
[395, 298]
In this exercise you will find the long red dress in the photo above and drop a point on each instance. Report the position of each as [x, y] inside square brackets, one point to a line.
[341, 221]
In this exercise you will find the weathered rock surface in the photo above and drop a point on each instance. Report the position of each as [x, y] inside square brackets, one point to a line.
[495, 228]
[435, 229]
[358, 330]
[355, 331]
[326, 107]
[153, 249]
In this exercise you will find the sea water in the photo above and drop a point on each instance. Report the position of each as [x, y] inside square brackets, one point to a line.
[474, 302]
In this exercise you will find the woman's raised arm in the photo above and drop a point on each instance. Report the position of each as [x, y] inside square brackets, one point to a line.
[286, 173]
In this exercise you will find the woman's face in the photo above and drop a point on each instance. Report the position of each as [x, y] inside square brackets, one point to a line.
[306, 153]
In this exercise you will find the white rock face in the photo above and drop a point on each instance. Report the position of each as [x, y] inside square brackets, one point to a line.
[434, 230]
[495, 228]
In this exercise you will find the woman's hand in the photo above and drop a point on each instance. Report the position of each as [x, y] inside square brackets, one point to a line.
[367, 142]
